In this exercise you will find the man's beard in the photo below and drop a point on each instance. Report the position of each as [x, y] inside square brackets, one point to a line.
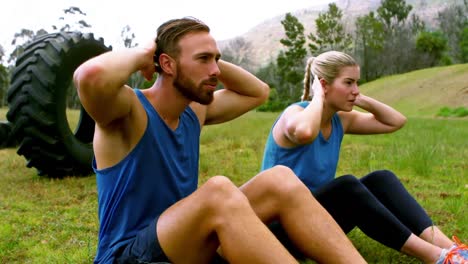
[192, 91]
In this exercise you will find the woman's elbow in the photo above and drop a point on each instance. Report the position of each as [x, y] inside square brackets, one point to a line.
[265, 92]
[302, 136]
[398, 123]
[402, 121]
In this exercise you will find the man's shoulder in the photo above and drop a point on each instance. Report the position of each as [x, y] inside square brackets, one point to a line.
[199, 111]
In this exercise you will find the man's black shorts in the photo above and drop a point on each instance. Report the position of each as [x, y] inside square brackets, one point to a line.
[144, 248]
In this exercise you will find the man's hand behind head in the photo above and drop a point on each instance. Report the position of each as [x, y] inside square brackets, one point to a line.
[148, 68]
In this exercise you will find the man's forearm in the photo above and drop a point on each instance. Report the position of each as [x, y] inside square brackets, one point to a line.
[241, 81]
[111, 70]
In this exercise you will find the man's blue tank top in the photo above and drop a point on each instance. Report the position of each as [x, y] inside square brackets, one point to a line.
[315, 163]
[159, 171]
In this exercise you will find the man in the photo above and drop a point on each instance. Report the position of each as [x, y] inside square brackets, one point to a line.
[146, 147]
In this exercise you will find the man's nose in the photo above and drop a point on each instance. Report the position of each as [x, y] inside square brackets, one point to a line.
[214, 70]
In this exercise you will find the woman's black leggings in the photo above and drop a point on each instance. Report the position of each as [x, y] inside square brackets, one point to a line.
[378, 204]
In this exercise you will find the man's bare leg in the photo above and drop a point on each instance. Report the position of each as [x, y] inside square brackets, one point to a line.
[278, 193]
[217, 214]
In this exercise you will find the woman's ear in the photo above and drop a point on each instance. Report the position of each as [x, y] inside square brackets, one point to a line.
[167, 63]
[324, 84]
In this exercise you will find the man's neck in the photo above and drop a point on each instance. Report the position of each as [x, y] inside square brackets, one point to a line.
[167, 101]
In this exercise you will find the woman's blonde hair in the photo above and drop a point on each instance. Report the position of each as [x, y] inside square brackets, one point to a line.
[326, 66]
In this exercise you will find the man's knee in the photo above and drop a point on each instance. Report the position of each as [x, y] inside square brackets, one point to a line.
[221, 195]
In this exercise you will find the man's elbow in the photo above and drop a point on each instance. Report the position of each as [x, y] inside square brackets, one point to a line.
[87, 76]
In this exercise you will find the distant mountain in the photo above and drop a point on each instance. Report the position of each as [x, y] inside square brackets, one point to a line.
[264, 38]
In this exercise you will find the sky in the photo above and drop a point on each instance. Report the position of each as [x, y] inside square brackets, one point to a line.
[227, 19]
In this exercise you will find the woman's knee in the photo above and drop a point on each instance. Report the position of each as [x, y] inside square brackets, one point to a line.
[281, 181]
[379, 177]
[349, 186]
[346, 179]
[345, 182]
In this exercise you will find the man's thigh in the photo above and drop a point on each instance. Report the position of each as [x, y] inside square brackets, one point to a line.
[277, 229]
[146, 248]
[184, 230]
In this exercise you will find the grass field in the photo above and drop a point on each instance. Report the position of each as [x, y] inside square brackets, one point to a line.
[45, 220]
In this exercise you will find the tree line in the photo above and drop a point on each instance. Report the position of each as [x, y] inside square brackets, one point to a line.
[384, 42]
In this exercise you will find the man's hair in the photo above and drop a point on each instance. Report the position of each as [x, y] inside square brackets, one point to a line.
[326, 66]
[169, 34]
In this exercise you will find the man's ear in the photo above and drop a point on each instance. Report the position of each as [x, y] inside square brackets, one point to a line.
[167, 63]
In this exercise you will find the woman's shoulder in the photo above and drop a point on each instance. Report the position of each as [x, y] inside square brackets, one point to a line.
[302, 104]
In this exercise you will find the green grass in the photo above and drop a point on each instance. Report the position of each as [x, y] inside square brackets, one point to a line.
[429, 155]
[431, 158]
[423, 92]
[44, 220]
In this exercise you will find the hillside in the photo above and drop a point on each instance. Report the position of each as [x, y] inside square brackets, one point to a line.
[264, 38]
[423, 92]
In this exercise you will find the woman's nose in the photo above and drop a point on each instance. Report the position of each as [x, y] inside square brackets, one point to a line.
[355, 89]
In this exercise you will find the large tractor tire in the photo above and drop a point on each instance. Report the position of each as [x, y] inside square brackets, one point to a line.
[37, 100]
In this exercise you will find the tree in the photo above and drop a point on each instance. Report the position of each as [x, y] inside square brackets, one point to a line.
[369, 44]
[269, 74]
[393, 13]
[399, 52]
[237, 51]
[464, 45]
[128, 37]
[20, 39]
[416, 24]
[291, 61]
[2, 53]
[136, 80]
[385, 41]
[4, 79]
[330, 33]
[25, 36]
[75, 15]
[72, 21]
[433, 45]
[452, 21]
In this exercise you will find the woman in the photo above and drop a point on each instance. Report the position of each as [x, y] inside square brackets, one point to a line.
[307, 138]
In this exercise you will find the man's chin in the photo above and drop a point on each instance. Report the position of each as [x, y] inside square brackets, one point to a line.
[205, 101]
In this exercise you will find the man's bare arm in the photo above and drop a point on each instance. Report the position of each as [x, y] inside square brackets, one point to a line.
[101, 82]
[243, 92]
